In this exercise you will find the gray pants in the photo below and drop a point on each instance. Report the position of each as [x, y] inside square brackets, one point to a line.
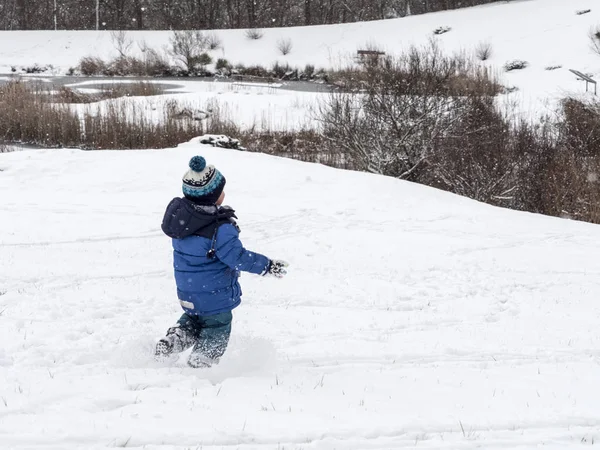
[209, 336]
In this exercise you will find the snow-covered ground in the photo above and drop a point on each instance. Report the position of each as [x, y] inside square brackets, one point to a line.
[543, 32]
[411, 318]
[247, 105]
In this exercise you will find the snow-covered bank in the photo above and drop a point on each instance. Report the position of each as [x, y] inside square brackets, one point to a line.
[247, 106]
[410, 317]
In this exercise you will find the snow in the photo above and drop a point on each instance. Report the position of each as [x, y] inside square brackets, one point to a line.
[410, 317]
[248, 106]
[542, 32]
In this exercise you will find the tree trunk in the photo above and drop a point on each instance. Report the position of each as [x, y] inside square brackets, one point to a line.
[251, 13]
[22, 14]
[139, 14]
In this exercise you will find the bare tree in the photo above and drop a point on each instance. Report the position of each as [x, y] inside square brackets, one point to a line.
[213, 41]
[188, 47]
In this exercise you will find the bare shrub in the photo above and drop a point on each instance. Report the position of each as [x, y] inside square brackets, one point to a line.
[570, 173]
[156, 64]
[122, 66]
[391, 114]
[284, 46]
[204, 59]
[254, 34]
[252, 71]
[91, 66]
[280, 71]
[594, 36]
[213, 41]
[581, 12]
[474, 156]
[121, 41]
[188, 47]
[308, 72]
[483, 51]
[153, 63]
[5, 149]
[36, 68]
[553, 67]
[516, 64]
[580, 126]
[223, 65]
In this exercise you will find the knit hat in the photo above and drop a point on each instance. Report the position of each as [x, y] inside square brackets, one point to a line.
[202, 184]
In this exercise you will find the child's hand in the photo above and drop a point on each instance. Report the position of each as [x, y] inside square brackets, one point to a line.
[277, 268]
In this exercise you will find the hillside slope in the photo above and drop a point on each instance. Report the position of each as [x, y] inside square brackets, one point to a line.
[410, 317]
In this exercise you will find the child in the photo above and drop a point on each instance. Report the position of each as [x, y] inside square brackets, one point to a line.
[208, 257]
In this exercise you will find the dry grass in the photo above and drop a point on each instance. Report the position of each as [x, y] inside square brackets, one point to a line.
[28, 114]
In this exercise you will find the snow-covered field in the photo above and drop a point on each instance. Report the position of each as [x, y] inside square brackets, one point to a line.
[248, 105]
[543, 32]
[411, 318]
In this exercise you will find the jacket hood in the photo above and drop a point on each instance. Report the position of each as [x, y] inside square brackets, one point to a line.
[184, 218]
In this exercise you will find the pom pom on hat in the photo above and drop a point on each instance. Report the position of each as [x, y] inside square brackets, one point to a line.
[197, 164]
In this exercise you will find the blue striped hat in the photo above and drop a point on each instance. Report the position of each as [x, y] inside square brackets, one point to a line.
[202, 184]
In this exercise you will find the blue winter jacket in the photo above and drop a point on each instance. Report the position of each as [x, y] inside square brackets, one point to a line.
[208, 256]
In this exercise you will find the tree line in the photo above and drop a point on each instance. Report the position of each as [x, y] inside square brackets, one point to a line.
[206, 14]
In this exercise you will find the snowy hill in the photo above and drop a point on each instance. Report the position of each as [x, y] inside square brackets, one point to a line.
[543, 32]
[411, 318]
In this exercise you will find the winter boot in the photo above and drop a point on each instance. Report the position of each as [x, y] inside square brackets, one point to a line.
[177, 340]
[200, 361]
